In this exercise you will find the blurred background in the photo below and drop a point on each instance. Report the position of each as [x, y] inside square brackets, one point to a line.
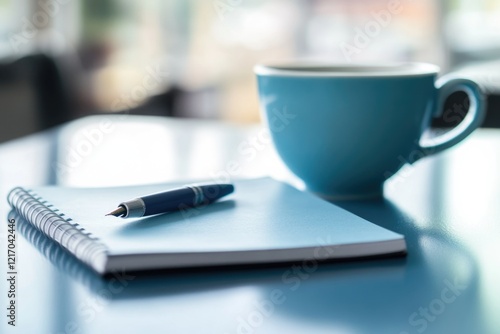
[64, 59]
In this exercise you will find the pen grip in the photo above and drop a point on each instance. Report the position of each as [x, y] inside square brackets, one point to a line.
[184, 198]
[172, 200]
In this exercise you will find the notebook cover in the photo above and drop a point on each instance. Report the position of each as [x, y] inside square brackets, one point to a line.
[262, 221]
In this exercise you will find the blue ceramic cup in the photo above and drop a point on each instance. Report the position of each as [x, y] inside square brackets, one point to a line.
[344, 130]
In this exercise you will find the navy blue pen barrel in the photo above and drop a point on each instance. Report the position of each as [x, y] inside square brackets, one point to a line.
[183, 198]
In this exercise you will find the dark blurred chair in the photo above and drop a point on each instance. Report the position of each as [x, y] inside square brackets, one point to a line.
[179, 102]
[33, 96]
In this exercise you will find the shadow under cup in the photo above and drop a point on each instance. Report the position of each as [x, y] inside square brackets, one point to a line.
[345, 129]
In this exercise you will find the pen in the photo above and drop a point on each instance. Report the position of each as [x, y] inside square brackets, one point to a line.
[171, 200]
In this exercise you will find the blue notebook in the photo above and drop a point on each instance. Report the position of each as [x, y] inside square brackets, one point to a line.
[263, 221]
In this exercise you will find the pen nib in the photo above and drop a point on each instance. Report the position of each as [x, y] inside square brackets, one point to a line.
[120, 211]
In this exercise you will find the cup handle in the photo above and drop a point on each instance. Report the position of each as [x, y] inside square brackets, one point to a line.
[475, 115]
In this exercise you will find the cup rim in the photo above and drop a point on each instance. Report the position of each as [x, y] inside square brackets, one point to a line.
[339, 70]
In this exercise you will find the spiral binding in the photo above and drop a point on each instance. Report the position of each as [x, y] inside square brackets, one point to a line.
[56, 226]
[58, 255]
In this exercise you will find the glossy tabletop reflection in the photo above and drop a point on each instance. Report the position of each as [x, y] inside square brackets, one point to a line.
[447, 207]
